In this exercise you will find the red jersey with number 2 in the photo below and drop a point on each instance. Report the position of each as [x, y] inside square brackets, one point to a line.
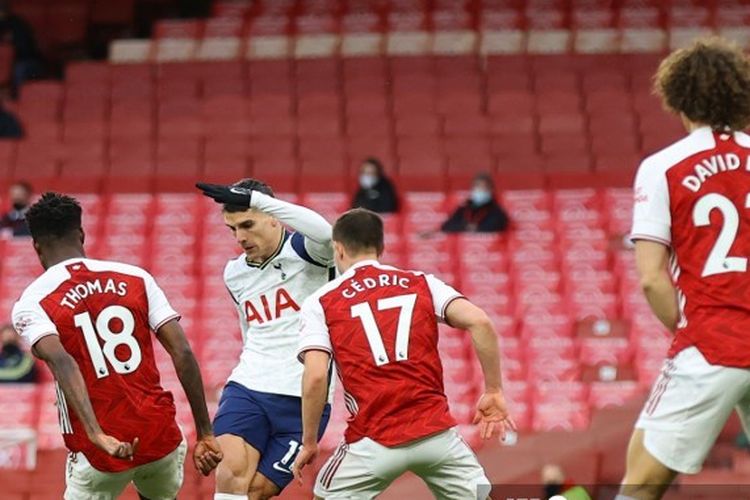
[381, 326]
[694, 197]
[104, 313]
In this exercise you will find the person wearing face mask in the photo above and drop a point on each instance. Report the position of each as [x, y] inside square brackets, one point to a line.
[480, 213]
[16, 365]
[376, 191]
[15, 219]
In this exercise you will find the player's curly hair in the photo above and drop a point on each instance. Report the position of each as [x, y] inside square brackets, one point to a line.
[248, 183]
[708, 82]
[54, 217]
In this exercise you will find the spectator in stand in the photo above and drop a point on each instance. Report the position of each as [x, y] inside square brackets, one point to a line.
[15, 219]
[10, 127]
[481, 213]
[376, 191]
[27, 63]
[555, 483]
[16, 364]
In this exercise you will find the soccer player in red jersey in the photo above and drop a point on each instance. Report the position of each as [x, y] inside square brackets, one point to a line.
[692, 243]
[91, 322]
[380, 326]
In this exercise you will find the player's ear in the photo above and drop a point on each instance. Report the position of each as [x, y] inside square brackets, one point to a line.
[83, 236]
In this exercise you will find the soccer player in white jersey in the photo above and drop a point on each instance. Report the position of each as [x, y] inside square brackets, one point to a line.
[258, 423]
[692, 220]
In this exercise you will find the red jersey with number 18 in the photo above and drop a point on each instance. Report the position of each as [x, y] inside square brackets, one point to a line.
[380, 324]
[694, 197]
[103, 313]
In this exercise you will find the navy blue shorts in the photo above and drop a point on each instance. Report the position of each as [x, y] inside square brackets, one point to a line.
[270, 423]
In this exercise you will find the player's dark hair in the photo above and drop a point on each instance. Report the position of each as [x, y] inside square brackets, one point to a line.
[708, 82]
[248, 183]
[359, 230]
[54, 217]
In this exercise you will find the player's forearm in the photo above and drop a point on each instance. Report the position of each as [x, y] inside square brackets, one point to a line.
[485, 345]
[69, 378]
[303, 220]
[314, 393]
[192, 383]
[661, 295]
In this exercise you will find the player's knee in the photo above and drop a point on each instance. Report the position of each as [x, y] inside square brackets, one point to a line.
[232, 476]
[261, 489]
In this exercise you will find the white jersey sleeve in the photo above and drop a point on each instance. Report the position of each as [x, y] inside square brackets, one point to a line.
[31, 321]
[442, 295]
[314, 227]
[651, 217]
[314, 334]
[159, 309]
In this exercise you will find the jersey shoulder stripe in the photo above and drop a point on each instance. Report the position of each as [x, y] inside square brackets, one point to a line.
[298, 245]
[697, 142]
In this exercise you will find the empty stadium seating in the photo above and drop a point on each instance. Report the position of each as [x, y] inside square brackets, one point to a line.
[305, 125]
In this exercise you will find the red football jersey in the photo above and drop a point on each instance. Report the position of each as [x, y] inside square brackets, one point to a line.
[694, 196]
[380, 324]
[104, 313]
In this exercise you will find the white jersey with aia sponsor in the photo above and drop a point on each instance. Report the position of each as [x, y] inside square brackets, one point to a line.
[268, 299]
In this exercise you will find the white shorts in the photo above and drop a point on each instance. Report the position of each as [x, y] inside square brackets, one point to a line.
[364, 469]
[689, 405]
[158, 480]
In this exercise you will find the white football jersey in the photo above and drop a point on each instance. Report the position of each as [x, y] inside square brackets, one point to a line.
[269, 298]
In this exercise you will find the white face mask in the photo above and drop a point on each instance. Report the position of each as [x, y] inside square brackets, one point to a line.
[480, 196]
[367, 181]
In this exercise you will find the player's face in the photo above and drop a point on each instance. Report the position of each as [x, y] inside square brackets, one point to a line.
[256, 232]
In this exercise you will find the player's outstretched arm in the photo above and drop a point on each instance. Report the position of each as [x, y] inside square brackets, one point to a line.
[492, 412]
[301, 219]
[652, 262]
[314, 396]
[207, 453]
[69, 378]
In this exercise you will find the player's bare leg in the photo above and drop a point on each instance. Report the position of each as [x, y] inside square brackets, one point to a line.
[645, 477]
[235, 473]
[262, 488]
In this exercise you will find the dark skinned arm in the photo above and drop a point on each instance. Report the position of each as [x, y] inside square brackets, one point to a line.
[69, 378]
[207, 454]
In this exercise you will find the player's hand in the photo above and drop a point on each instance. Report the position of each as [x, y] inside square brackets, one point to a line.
[229, 195]
[207, 454]
[114, 447]
[492, 415]
[306, 456]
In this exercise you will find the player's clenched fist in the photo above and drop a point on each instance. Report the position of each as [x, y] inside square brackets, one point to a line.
[230, 195]
[306, 456]
[116, 448]
[492, 415]
[207, 454]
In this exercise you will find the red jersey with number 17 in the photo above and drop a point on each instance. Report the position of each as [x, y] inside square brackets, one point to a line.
[380, 324]
[103, 313]
[694, 197]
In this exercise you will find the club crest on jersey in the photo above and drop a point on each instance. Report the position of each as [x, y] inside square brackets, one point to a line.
[265, 309]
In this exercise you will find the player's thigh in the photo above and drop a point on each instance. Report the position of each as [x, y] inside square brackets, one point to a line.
[449, 467]
[646, 477]
[688, 406]
[284, 442]
[162, 479]
[242, 429]
[84, 482]
[360, 470]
